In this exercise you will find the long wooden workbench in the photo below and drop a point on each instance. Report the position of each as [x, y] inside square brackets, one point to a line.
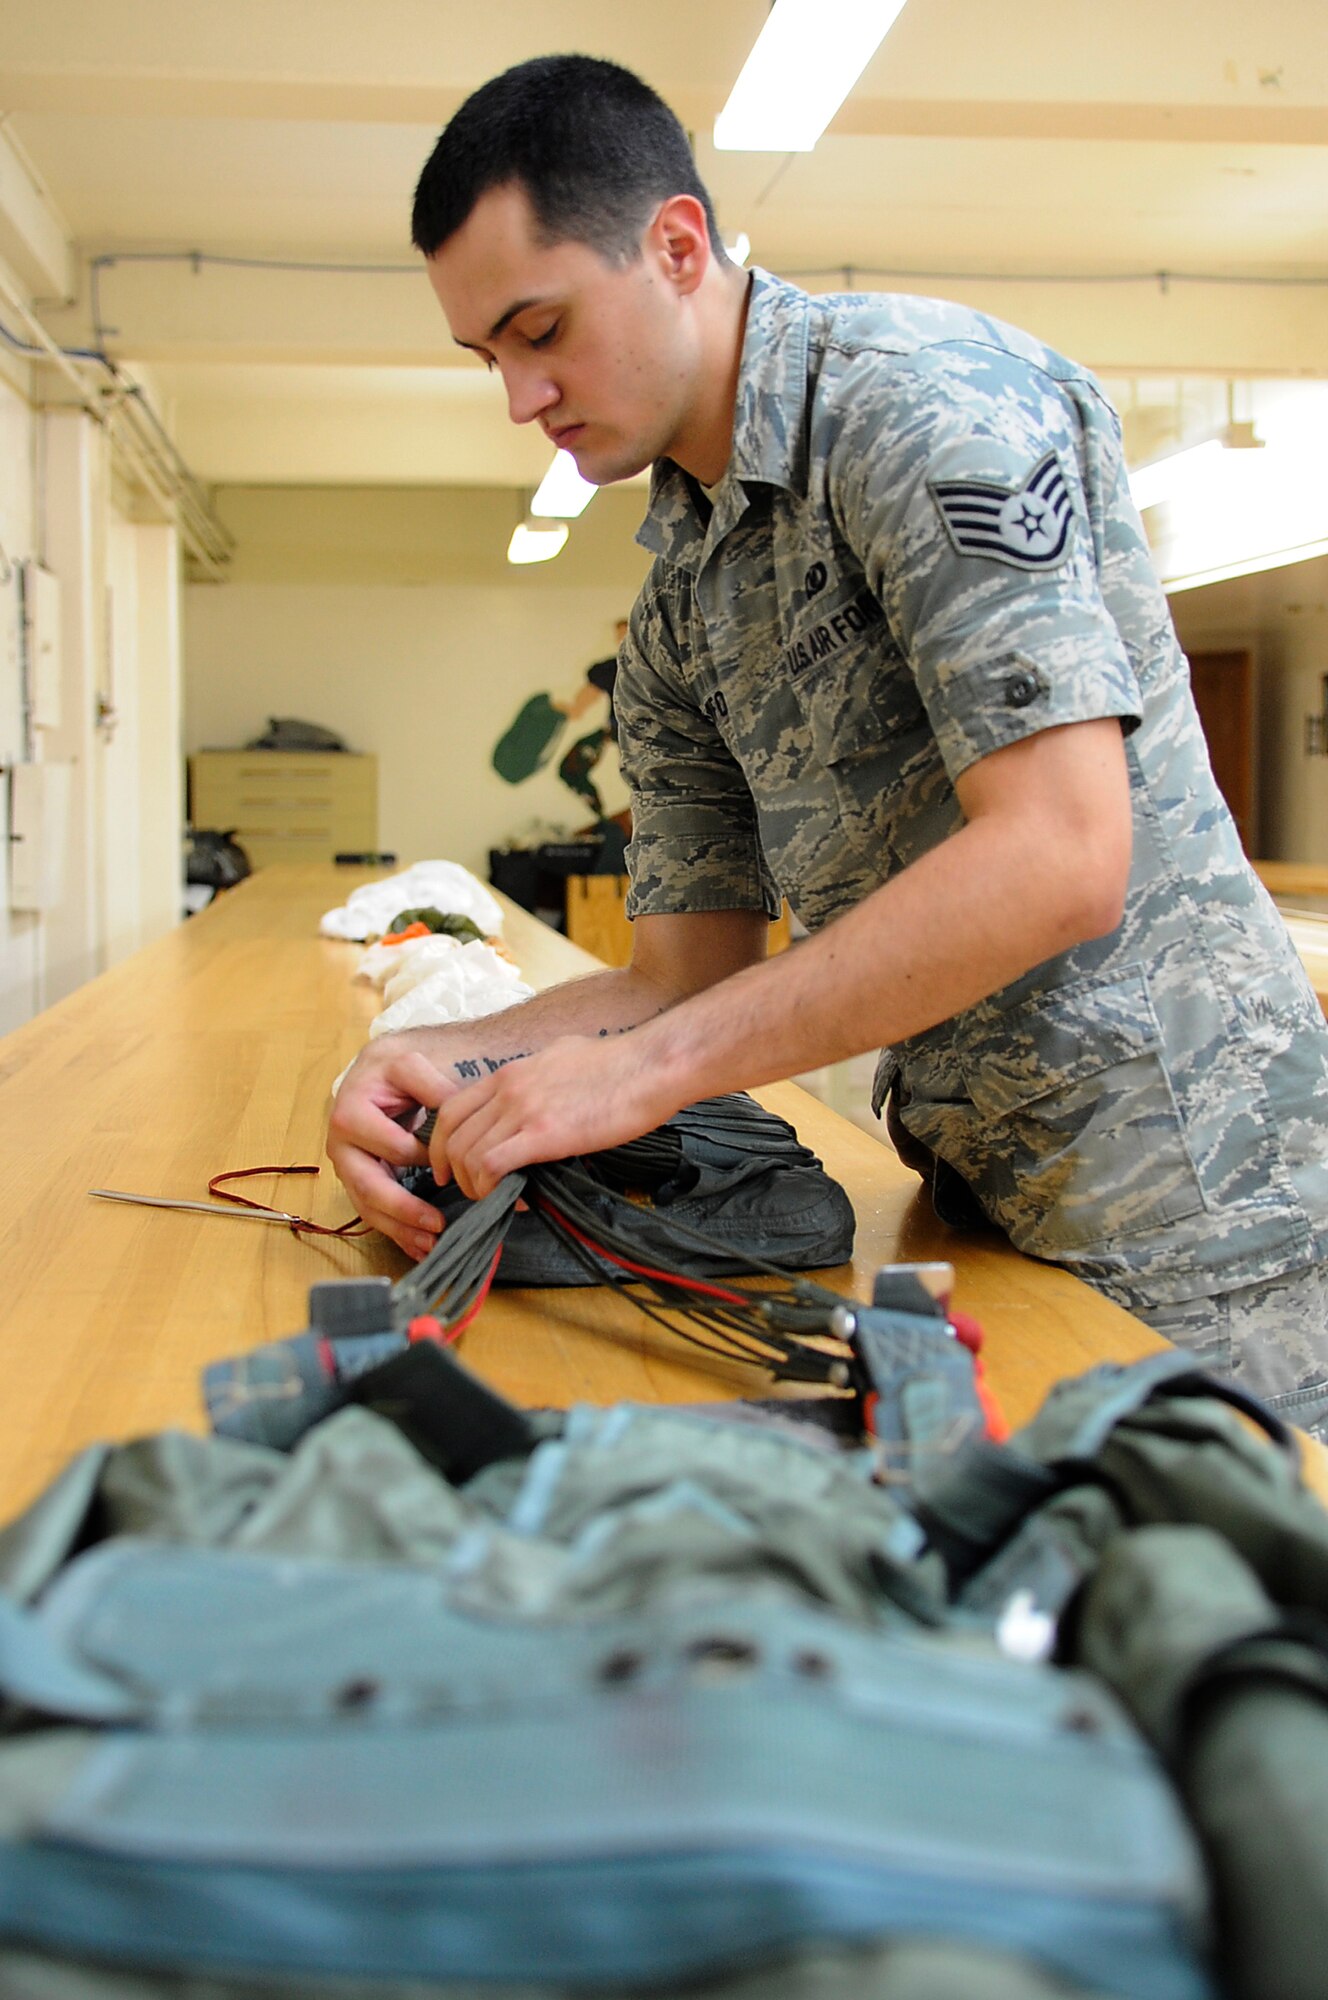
[215, 1048]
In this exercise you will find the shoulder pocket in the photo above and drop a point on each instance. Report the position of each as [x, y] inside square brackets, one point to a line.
[859, 701]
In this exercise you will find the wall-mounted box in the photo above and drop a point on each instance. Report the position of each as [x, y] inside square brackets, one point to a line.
[41, 618]
[39, 802]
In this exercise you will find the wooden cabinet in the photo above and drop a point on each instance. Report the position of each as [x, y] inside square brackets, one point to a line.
[597, 919]
[287, 805]
[597, 916]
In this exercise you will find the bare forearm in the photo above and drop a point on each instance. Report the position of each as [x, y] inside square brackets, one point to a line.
[672, 957]
[961, 923]
[1040, 865]
[605, 1003]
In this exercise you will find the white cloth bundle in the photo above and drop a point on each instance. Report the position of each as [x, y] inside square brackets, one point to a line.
[471, 980]
[445, 885]
[420, 958]
[382, 964]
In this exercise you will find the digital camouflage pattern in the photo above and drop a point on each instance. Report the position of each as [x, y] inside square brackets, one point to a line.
[924, 549]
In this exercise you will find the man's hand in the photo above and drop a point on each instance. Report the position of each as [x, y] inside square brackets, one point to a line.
[576, 1096]
[365, 1143]
[565, 1110]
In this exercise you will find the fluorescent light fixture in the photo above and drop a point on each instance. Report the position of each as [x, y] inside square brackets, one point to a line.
[535, 545]
[562, 494]
[1249, 566]
[1167, 478]
[1238, 512]
[804, 63]
[1183, 472]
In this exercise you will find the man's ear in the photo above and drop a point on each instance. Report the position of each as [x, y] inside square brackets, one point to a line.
[678, 237]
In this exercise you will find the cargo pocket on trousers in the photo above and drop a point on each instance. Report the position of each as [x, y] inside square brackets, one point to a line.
[1086, 1141]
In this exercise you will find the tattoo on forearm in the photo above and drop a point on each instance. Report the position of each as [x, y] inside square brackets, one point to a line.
[631, 1025]
[471, 1068]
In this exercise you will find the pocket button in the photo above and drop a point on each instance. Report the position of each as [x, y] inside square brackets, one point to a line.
[1021, 689]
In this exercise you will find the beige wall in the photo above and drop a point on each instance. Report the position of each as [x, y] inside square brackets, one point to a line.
[119, 727]
[19, 934]
[391, 616]
[1281, 617]
[143, 790]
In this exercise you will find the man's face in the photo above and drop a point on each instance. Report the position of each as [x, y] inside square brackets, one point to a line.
[598, 354]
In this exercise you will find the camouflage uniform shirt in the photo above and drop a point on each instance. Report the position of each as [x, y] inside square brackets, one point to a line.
[923, 548]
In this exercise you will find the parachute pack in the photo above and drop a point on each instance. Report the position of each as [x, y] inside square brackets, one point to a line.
[449, 1698]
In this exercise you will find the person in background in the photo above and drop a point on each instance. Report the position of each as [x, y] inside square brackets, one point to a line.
[902, 654]
[603, 673]
[528, 742]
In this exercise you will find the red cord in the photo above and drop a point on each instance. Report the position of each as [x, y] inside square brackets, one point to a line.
[426, 1327]
[645, 1270]
[969, 1334]
[298, 1225]
[454, 1333]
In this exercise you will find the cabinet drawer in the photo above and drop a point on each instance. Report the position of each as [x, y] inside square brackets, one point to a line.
[286, 805]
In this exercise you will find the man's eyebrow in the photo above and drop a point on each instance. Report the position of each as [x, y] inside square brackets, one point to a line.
[504, 320]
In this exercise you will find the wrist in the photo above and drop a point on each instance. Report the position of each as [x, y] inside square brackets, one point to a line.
[663, 1067]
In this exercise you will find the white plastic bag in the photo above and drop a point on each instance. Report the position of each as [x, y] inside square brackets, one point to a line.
[445, 885]
[471, 982]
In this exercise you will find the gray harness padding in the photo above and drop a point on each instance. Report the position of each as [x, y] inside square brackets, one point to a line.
[668, 1704]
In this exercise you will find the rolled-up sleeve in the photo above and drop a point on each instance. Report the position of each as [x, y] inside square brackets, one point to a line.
[695, 841]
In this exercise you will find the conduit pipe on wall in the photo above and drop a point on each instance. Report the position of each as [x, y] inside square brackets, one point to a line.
[149, 459]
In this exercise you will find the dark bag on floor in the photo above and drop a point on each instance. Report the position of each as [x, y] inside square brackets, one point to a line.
[215, 860]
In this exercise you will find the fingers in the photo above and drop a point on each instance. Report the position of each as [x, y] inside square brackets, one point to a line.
[376, 1091]
[495, 1127]
[481, 1156]
[571, 1097]
[461, 1125]
[449, 1155]
[365, 1141]
[384, 1204]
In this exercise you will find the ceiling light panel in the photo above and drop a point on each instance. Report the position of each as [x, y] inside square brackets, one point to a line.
[536, 545]
[562, 493]
[804, 63]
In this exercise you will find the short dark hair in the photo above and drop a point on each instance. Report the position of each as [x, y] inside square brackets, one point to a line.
[594, 148]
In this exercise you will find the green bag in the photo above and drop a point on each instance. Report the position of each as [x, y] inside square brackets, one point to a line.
[1187, 1564]
[527, 743]
[670, 1703]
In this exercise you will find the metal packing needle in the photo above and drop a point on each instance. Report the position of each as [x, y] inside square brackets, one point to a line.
[198, 1207]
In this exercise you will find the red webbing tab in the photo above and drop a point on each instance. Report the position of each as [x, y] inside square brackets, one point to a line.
[969, 1334]
[426, 1327]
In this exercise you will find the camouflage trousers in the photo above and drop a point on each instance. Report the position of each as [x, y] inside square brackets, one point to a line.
[1271, 1339]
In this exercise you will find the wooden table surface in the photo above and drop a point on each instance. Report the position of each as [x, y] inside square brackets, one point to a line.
[215, 1048]
[1292, 878]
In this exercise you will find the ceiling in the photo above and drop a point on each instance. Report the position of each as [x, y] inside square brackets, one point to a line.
[1049, 162]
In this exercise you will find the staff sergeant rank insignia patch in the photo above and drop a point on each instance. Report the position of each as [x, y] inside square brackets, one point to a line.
[1028, 527]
